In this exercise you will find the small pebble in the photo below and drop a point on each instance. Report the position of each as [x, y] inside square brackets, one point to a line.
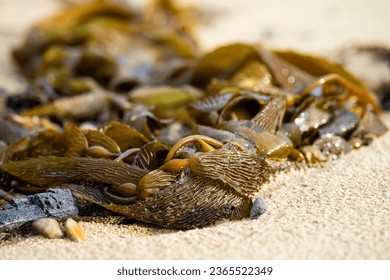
[49, 228]
[258, 208]
[74, 231]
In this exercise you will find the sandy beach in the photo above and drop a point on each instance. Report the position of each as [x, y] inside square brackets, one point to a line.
[340, 210]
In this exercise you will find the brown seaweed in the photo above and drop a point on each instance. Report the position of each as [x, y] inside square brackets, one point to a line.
[51, 171]
[175, 138]
[193, 201]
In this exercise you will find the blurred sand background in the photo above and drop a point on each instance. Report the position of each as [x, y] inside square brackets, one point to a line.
[338, 211]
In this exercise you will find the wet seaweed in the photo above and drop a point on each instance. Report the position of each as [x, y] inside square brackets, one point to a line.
[123, 109]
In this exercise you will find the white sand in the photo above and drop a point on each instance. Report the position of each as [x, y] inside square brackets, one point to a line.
[338, 211]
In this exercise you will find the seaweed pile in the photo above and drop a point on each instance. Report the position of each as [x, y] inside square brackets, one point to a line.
[124, 110]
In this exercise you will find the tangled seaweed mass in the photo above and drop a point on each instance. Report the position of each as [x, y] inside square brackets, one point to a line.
[122, 109]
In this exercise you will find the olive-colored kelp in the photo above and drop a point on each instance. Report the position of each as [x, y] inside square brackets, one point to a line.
[123, 109]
